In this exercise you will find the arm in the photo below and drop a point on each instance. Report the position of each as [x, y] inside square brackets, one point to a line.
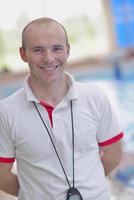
[8, 181]
[111, 156]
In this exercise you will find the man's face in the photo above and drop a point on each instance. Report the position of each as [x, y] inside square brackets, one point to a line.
[46, 52]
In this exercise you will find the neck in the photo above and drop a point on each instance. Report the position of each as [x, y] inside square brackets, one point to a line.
[51, 93]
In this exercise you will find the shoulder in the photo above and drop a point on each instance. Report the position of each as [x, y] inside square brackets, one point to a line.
[90, 90]
[92, 97]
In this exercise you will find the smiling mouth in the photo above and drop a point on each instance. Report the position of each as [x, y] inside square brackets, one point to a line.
[49, 68]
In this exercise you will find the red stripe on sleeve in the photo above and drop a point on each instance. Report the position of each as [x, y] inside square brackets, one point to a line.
[112, 140]
[7, 160]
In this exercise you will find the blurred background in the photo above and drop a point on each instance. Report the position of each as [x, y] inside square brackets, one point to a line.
[101, 35]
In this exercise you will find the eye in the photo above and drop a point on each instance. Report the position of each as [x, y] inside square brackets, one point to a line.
[38, 50]
[57, 48]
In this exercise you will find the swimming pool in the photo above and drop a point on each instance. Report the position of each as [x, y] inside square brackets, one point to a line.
[120, 90]
[118, 87]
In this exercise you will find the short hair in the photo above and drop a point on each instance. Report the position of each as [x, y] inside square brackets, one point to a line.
[41, 21]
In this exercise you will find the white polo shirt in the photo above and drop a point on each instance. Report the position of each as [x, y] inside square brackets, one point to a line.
[24, 138]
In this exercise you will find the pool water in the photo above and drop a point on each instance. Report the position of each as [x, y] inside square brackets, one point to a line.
[120, 90]
[119, 87]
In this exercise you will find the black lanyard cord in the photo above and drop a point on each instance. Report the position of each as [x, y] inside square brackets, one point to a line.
[72, 122]
[54, 144]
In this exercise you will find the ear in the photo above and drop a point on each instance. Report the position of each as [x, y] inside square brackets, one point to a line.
[23, 54]
[68, 49]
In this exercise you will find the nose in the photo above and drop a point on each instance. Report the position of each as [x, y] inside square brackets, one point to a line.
[48, 56]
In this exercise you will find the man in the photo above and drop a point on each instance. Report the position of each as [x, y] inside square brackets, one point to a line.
[63, 134]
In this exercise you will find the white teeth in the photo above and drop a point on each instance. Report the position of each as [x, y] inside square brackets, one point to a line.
[49, 68]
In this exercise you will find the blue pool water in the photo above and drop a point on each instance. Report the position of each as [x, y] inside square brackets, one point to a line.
[119, 87]
[120, 90]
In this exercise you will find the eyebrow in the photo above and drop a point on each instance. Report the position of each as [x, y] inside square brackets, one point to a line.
[42, 47]
[37, 47]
